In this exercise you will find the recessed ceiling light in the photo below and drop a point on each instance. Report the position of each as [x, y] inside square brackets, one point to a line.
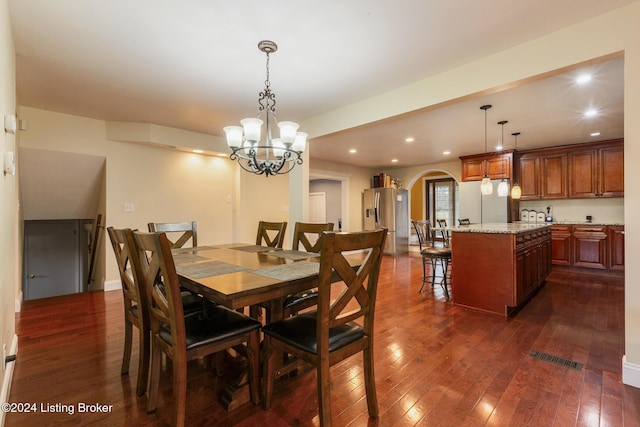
[353, 150]
[198, 151]
[409, 139]
[595, 134]
[394, 160]
[584, 78]
[591, 113]
[446, 153]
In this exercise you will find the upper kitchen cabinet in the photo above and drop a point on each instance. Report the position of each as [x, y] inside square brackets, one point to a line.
[597, 171]
[572, 171]
[495, 165]
[543, 175]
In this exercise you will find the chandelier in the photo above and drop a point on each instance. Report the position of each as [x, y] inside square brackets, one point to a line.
[272, 156]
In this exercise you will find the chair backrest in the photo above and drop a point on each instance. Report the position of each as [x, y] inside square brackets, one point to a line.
[423, 230]
[129, 269]
[360, 286]
[464, 221]
[441, 222]
[272, 233]
[187, 230]
[160, 280]
[309, 236]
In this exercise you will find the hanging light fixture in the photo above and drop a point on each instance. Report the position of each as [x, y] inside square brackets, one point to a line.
[486, 187]
[503, 187]
[516, 192]
[275, 155]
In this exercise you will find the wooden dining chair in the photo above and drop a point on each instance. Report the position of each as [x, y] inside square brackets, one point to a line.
[331, 334]
[135, 305]
[434, 255]
[307, 235]
[187, 231]
[184, 338]
[271, 233]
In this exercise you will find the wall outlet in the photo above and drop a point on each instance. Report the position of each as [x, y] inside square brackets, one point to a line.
[127, 207]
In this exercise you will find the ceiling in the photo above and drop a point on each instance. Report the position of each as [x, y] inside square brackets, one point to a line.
[195, 66]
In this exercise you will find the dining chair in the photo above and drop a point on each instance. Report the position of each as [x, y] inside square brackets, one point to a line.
[135, 310]
[307, 235]
[432, 254]
[271, 233]
[188, 231]
[464, 221]
[331, 334]
[186, 337]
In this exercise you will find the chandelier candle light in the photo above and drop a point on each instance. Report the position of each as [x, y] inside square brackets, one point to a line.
[503, 187]
[486, 187]
[275, 155]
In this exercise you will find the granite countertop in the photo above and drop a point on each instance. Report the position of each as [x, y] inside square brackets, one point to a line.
[571, 222]
[500, 228]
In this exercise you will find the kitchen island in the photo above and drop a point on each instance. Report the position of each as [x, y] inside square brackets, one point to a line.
[498, 267]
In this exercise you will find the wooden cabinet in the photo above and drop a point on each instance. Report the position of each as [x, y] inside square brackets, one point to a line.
[616, 247]
[597, 171]
[495, 165]
[543, 176]
[590, 246]
[572, 171]
[504, 274]
[561, 237]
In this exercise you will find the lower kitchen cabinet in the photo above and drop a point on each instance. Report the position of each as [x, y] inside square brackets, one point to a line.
[616, 247]
[561, 245]
[588, 246]
[505, 274]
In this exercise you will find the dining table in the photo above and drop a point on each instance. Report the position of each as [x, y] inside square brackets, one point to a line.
[239, 275]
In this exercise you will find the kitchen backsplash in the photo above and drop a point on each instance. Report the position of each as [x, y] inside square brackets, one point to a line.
[604, 210]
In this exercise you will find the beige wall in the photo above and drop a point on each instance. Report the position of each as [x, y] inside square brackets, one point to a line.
[10, 248]
[163, 184]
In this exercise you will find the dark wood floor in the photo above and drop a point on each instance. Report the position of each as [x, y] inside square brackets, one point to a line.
[436, 364]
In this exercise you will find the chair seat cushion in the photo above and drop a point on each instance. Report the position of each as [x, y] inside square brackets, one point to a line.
[192, 303]
[305, 298]
[436, 252]
[300, 331]
[212, 325]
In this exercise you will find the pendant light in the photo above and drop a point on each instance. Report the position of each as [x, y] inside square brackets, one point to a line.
[503, 187]
[486, 186]
[516, 192]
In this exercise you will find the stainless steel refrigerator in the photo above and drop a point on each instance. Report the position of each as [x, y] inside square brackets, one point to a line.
[388, 207]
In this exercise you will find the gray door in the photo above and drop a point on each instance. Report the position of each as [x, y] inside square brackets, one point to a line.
[52, 258]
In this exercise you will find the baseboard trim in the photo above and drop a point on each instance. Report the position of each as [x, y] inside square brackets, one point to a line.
[8, 375]
[630, 373]
[112, 285]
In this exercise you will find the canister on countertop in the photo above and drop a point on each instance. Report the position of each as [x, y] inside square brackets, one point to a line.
[524, 215]
[532, 216]
[540, 216]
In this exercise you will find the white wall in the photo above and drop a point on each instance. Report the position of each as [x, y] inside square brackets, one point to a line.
[10, 248]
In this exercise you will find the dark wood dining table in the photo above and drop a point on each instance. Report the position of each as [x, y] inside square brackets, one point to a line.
[239, 275]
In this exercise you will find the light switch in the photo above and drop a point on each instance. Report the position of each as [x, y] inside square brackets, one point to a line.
[127, 207]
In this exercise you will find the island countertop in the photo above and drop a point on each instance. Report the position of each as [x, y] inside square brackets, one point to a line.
[500, 228]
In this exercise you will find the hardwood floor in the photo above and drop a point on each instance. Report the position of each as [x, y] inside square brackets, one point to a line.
[436, 364]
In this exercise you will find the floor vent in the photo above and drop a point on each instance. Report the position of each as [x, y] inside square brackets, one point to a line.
[557, 360]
